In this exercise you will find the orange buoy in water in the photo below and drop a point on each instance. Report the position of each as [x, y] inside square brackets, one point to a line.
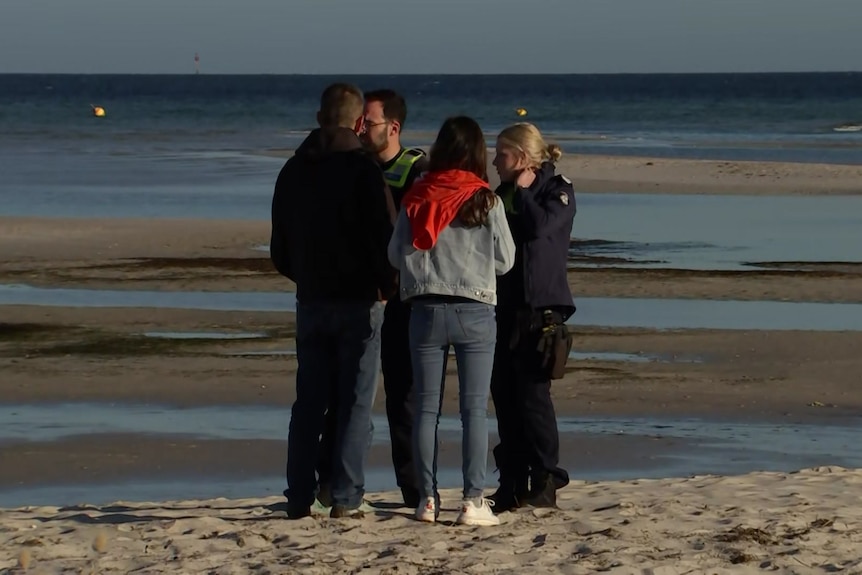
[98, 111]
[521, 111]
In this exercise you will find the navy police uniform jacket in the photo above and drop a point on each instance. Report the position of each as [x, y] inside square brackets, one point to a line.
[540, 218]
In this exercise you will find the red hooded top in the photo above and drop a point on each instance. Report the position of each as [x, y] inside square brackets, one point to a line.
[434, 200]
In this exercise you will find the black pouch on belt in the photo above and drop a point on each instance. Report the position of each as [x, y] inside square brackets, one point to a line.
[555, 344]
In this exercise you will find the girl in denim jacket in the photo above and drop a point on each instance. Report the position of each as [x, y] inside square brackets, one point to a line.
[450, 242]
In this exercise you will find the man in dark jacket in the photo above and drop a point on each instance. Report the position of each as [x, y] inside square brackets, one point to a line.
[331, 222]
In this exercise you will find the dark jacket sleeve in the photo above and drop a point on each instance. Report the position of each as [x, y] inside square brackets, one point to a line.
[279, 251]
[543, 213]
[380, 217]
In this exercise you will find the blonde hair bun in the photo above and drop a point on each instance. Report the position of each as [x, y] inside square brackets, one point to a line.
[527, 139]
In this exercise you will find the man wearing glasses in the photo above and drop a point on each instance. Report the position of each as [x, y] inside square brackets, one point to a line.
[385, 114]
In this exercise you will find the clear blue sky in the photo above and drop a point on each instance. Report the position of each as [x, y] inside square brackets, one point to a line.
[429, 36]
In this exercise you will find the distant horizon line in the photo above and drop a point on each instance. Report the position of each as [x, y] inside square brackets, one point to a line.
[357, 74]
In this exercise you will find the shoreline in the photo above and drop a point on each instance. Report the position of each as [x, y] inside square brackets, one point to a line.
[102, 467]
[634, 174]
[121, 457]
[226, 255]
[596, 173]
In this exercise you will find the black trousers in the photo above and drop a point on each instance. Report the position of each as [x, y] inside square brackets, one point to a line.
[398, 385]
[526, 420]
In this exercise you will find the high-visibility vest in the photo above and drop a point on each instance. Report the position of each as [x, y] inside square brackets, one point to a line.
[396, 175]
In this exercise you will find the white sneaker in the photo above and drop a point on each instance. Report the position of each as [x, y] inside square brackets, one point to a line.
[427, 511]
[472, 514]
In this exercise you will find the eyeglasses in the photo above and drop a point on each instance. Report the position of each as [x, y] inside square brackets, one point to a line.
[369, 124]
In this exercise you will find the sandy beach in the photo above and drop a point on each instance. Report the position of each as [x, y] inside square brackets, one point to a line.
[804, 522]
[632, 174]
[649, 175]
[57, 355]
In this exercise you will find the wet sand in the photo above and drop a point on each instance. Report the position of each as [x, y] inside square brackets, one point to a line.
[67, 354]
[52, 356]
[223, 255]
[631, 174]
[127, 458]
[650, 175]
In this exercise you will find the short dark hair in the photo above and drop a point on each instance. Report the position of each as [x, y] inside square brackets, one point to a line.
[394, 106]
[340, 105]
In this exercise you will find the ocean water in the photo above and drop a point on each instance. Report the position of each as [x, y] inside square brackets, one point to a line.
[202, 147]
[187, 131]
[648, 313]
[767, 116]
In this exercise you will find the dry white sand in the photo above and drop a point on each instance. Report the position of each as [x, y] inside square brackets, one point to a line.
[805, 522]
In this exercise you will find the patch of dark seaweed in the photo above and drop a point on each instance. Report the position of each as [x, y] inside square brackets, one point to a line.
[32, 339]
[740, 533]
[664, 273]
[256, 264]
[821, 267]
[25, 331]
[575, 243]
[119, 345]
[735, 556]
[102, 344]
[608, 260]
[597, 370]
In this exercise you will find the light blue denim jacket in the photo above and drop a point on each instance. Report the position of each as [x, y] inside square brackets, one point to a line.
[464, 262]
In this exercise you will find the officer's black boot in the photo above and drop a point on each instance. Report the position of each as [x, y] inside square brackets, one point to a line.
[543, 492]
[504, 498]
[522, 487]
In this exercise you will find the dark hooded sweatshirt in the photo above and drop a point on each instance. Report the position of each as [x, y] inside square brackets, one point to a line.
[332, 220]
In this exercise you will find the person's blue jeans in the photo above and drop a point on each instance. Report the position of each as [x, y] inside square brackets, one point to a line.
[338, 351]
[435, 325]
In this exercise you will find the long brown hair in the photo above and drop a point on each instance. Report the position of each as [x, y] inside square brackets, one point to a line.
[460, 145]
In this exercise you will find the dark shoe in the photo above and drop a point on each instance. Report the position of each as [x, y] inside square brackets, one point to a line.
[342, 511]
[411, 497]
[561, 478]
[509, 495]
[522, 488]
[543, 494]
[298, 511]
[324, 494]
[504, 500]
